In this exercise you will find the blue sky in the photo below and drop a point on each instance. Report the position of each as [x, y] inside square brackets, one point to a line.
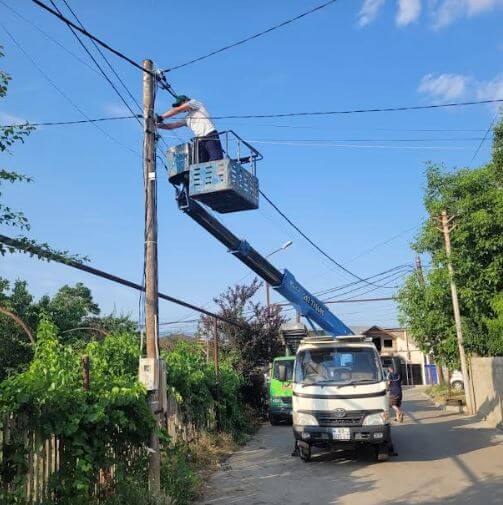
[358, 185]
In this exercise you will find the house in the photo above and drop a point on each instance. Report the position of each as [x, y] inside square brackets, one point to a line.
[396, 343]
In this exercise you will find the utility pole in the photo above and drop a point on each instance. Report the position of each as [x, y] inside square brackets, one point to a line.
[151, 272]
[217, 370]
[446, 230]
[419, 270]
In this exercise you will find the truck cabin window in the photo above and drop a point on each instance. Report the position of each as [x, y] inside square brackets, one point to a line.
[338, 366]
[288, 364]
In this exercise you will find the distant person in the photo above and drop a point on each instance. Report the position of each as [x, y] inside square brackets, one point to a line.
[395, 393]
[198, 120]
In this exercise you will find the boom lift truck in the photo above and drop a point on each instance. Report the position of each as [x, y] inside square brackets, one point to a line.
[339, 397]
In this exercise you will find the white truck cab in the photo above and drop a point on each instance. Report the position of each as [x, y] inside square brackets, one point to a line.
[340, 397]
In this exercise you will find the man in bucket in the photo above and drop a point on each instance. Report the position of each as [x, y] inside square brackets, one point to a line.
[198, 120]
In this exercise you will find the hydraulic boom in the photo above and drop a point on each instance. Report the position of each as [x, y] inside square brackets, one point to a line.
[309, 306]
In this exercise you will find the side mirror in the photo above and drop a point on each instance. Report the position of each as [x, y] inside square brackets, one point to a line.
[282, 373]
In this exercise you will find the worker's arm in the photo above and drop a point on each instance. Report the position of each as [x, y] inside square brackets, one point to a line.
[176, 110]
[171, 126]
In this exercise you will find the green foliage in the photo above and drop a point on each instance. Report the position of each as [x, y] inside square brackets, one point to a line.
[252, 347]
[495, 327]
[193, 382]
[71, 308]
[178, 478]
[475, 198]
[107, 425]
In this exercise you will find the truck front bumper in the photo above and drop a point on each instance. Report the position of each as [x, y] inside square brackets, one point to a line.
[326, 436]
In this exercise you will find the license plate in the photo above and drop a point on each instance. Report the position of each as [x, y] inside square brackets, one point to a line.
[341, 434]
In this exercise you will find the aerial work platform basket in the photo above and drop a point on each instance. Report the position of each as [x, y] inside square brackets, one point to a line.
[223, 185]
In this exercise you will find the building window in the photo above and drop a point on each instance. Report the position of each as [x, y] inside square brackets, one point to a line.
[388, 342]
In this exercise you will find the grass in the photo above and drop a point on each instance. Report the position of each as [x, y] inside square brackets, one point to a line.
[440, 394]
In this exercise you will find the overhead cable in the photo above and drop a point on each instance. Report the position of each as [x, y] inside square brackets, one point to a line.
[121, 55]
[252, 37]
[316, 246]
[103, 73]
[29, 248]
[479, 147]
[63, 94]
[80, 121]
[362, 111]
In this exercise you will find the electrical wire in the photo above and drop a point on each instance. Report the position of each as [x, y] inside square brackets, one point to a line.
[48, 36]
[363, 111]
[164, 84]
[63, 94]
[20, 245]
[251, 37]
[103, 73]
[479, 147]
[316, 246]
[80, 121]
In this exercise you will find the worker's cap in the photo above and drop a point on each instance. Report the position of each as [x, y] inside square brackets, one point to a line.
[180, 99]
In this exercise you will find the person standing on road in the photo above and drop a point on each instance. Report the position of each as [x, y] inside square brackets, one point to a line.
[198, 120]
[395, 393]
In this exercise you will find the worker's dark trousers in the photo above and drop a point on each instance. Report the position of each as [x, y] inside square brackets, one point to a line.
[209, 148]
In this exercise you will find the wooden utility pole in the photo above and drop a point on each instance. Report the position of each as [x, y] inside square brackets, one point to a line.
[151, 273]
[419, 270]
[446, 230]
[217, 369]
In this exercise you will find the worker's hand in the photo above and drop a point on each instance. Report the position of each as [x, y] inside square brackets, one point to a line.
[159, 118]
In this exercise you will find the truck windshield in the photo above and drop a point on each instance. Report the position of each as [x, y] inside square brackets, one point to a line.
[338, 365]
[288, 364]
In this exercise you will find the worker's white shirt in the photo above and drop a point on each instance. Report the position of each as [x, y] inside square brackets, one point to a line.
[198, 119]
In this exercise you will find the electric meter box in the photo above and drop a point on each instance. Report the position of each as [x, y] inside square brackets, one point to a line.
[148, 373]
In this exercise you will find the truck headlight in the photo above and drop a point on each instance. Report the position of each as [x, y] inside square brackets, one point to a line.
[377, 419]
[302, 419]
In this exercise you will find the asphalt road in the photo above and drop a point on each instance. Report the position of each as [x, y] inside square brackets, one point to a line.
[442, 458]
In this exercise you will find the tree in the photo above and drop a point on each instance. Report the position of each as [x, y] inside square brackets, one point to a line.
[475, 198]
[253, 346]
[72, 310]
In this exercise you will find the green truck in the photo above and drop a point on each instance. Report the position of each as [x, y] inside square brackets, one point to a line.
[280, 392]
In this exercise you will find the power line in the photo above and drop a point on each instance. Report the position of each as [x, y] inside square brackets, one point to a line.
[345, 286]
[479, 147]
[159, 78]
[80, 121]
[103, 73]
[92, 37]
[252, 37]
[44, 253]
[318, 248]
[49, 37]
[63, 94]
[362, 111]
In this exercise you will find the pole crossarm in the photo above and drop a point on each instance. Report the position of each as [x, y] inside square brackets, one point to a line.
[20, 245]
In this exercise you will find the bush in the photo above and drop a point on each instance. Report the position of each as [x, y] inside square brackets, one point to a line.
[194, 384]
[107, 425]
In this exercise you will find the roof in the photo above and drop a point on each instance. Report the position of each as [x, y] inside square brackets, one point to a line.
[363, 330]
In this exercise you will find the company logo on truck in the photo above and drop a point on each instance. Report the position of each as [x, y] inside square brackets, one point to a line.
[312, 302]
[314, 305]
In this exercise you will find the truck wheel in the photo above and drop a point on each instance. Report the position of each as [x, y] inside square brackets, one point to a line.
[305, 454]
[273, 420]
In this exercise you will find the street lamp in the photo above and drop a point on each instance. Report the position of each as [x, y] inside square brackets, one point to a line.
[286, 245]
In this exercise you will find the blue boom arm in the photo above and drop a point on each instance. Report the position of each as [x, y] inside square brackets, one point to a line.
[283, 282]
